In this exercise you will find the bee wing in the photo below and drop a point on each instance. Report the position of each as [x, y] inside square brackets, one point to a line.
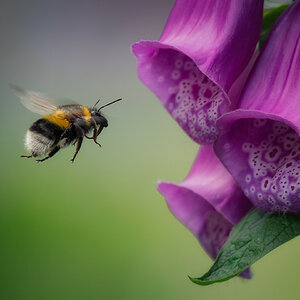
[34, 101]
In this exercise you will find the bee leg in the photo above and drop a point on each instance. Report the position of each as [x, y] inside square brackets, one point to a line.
[79, 142]
[27, 156]
[54, 151]
[99, 130]
[95, 135]
[94, 132]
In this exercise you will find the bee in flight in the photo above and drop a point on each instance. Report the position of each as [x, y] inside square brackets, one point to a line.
[60, 125]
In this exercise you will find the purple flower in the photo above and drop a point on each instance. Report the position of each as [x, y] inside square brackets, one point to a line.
[208, 202]
[259, 143]
[203, 50]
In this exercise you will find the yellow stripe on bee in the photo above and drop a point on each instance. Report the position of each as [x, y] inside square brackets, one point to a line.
[86, 113]
[58, 118]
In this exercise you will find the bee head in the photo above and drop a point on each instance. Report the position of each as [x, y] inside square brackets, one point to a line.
[98, 118]
[95, 112]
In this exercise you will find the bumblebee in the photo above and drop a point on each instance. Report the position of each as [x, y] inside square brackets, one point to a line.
[60, 126]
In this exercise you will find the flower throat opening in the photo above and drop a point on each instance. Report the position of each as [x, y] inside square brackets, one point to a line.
[191, 98]
[266, 163]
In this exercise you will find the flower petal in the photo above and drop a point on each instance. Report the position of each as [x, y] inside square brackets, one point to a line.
[208, 226]
[259, 143]
[208, 201]
[204, 48]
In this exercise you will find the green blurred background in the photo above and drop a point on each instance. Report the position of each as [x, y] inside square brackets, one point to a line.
[98, 229]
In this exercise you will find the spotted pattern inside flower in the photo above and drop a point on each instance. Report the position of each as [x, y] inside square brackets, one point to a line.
[271, 152]
[191, 98]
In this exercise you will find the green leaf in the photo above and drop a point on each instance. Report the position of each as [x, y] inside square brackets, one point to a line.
[269, 19]
[257, 234]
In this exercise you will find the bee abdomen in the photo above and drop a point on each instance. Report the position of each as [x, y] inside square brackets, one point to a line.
[42, 136]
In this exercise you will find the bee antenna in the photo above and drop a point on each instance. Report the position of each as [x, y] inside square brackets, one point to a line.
[94, 107]
[110, 103]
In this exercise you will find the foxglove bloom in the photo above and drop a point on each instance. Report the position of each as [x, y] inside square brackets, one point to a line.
[208, 201]
[259, 143]
[203, 50]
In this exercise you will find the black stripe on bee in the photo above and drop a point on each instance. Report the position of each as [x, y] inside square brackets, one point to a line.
[47, 129]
